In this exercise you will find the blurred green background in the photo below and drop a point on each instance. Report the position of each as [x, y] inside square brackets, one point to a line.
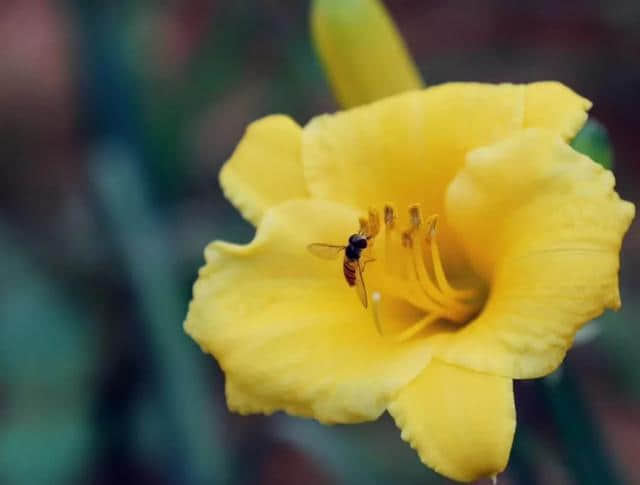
[115, 118]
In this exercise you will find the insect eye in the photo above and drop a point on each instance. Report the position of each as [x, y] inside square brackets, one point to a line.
[361, 243]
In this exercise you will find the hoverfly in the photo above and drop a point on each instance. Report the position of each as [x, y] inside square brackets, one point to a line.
[352, 267]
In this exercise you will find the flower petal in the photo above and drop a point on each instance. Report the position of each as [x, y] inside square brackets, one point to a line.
[543, 225]
[554, 106]
[407, 148]
[287, 330]
[266, 168]
[460, 422]
[353, 39]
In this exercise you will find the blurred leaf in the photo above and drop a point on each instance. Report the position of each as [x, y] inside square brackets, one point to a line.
[48, 448]
[585, 450]
[47, 366]
[148, 437]
[620, 337]
[522, 459]
[173, 105]
[122, 188]
[146, 256]
[359, 454]
[593, 141]
[299, 81]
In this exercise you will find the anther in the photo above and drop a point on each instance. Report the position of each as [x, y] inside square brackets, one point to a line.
[364, 226]
[407, 240]
[432, 226]
[415, 216]
[389, 216]
[392, 264]
[374, 222]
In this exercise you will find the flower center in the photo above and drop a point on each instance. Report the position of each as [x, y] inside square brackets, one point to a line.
[413, 272]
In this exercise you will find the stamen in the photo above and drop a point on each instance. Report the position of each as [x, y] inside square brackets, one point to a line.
[415, 243]
[432, 226]
[407, 241]
[415, 216]
[454, 310]
[411, 269]
[413, 239]
[416, 327]
[403, 290]
[438, 269]
[424, 299]
[421, 271]
[376, 299]
[409, 275]
[364, 226]
[374, 223]
[391, 265]
[389, 216]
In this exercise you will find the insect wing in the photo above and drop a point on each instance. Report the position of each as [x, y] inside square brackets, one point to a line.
[325, 251]
[360, 288]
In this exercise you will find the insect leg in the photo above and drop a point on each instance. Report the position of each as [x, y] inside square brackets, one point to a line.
[364, 263]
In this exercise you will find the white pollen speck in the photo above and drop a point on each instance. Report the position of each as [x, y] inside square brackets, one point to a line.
[375, 296]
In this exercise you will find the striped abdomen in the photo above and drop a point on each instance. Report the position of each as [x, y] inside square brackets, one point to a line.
[349, 269]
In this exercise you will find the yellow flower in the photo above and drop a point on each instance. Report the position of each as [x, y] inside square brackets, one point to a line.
[497, 243]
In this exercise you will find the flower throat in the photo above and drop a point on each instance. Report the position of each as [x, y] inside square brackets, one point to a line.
[413, 272]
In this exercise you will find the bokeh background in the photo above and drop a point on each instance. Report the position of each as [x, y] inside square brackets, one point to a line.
[115, 118]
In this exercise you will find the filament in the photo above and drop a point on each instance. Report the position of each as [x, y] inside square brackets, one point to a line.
[402, 290]
[429, 300]
[418, 233]
[438, 269]
[376, 299]
[416, 327]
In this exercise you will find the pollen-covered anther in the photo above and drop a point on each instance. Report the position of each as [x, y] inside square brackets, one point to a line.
[389, 216]
[390, 237]
[415, 216]
[431, 225]
[407, 240]
[374, 223]
[364, 225]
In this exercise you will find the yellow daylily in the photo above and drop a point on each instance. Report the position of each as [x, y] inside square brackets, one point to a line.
[497, 243]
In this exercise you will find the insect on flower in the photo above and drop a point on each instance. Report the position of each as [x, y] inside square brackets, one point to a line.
[352, 265]
[505, 242]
